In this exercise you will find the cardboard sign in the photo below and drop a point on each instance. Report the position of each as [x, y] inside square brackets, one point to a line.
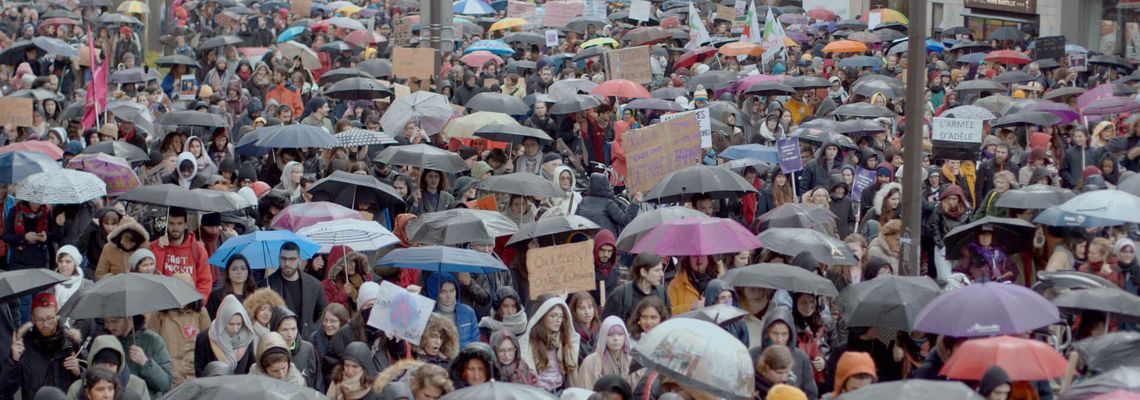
[631, 63]
[527, 11]
[561, 269]
[187, 87]
[556, 14]
[654, 151]
[1049, 47]
[484, 203]
[16, 111]
[639, 10]
[400, 90]
[84, 60]
[1078, 62]
[552, 38]
[740, 8]
[413, 62]
[956, 139]
[401, 313]
[704, 120]
[596, 9]
[864, 178]
[401, 32]
[789, 151]
[725, 13]
[301, 8]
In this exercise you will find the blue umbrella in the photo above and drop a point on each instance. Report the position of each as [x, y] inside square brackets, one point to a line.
[497, 47]
[934, 46]
[472, 7]
[763, 153]
[262, 248]
[499, 5]
[442, 259]
[290, 33]
[17, 165]
[320, 7]
[1097, 208]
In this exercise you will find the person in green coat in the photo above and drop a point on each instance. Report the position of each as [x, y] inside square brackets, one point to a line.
[147, 356]
[106, 352]
[1003, 181]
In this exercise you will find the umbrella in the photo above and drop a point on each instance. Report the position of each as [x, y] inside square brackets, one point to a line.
[807, 82]
[598, 42]
[1022, 359]
[115, 172]
[1037, 118]
[1111, 105]
[530, 38]
[428, 110]
[845, 46]
[35, 146]
[36, 94]
[1095, 208]
[698, 354]
[887, 301]
[499, 391]
[498, 47]
[868, 85]
[119, 19]
[348, 189]
[16, 283]
[193, 118]
[795, 215]
[1069, 280]
[14, 54]
[821, 14]
[297, 216]
[292, 50]
[512, 133]
[498, 102]
[1126, 378]
[669, 93]
[65, 186]
[522, 184]
[914, 389]
[862, 110]
[792, 241]
[472, 7]
[820, 137]
[130, 111]
[17, 165]
[1006, 33]
[969, 112]
[347, 23]
[171, 195]
[780, 277]
[770, 89]
[219, 41]
[336, 47]
[134, 75]
[458, 226]
[588, 52]
[986, 309]
[119, 149]
[358, 89]
[245, 387]
[336, 75]
[1113, 301]
[1034, 197]
[290, 33]
[738, 166]
[647, 35]
[1009, 77]
[851, 24]
[1007, 57]
[1130, 184]
[506, 23]
[646, 221]
[994, 103]
[705, 236]
[364, 38]
[465, 126]
[1013, 235]
[377, 67]
[355, 137]
[557, 228]
[262, 249]
[735, 49]
[695, 56]
[860, 62]
[655, 104]
[580, 24]
[754, 151]
[480, 58]
[981, 85]
[357, 234]
[1111, 60]
[972, 58]
[133, 7]
[621, 88]
[1111, 350]
[423, 156]
[857, 128]
[294, 136]
[699, 179]
[720, 314]
[130, 294]
[574, 104]
[866, 37]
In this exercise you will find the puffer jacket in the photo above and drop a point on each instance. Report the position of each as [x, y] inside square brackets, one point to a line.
[113, 259]
[42, 362]
[179, 329]
[601, 206]
[126, 380]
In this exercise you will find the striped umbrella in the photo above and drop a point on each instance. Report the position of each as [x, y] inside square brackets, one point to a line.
[66, 186]
[362, 137]
[472, 7]
[114, 171]
[498, 47]
[359, 235]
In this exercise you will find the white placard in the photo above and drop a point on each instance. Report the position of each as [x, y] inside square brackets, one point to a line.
[639, 10]
[703, 122]
[552, 38]
[957, 130]
[596, 9]
[401, 313]
[874, 19]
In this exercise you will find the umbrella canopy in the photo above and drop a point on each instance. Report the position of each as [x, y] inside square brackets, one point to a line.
[856, 128]
[443, 259]
[262, 249]
[621, 88]
[115, 172]
[171, 195]
[780, 277]
[119, 149]
[682, 184]
[720, 314]
[17, 165]
[219, 41]
[130, 294]
[793, 241]
[706, 236]
[293, 50]
[1095, 208]
[1006, 33]
[1065, 91]
[498, 102]
[1126, 378]
[1009, 77]
[294, 136]
[845, 46]
[37, 146]
[645, 221]
[134, 75]
[65, 186]
[522, 184]
[1038, 118]
[364, 38]
[770, 89]
[980, 85]
[861, 62]
[1034, 197]
[192, 118]
[580, 24]
[497, 47]
[1022, 359]
[530, 38]
[699, 354]
[862, 110]
[355, 137]
[1008, 57]
[357, 234]
[796, 215]
[458, 226]
[1113, 301]
[1111, 105]
[377, 67]
[568, 89]
[914, 389]
[428, 110]
[1111, 350]
[1013, 235]
[423, 156]
[887, 301]
[499, 391]
[358, 88]
[14, 54]
[16, 283]
[349, 189]
[246, 387]
[573, 104]
[754, 151]
[986, 309]
[655, 104]
[557, 228]
[297, 216]
[480, 58]
[512, 133]
[1130, 185]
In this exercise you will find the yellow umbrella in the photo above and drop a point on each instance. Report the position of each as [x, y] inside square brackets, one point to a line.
[465, 126]
[507, 23]
[348, 10]
[133, 7]
[598, 42]
[790, 43]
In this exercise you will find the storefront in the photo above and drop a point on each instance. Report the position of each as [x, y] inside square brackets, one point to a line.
[985, 16]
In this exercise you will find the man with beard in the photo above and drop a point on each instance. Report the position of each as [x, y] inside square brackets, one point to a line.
[179, 252]
[989, 168]
[539, 82]
[44, 352]
[283, 95]
[302, 293]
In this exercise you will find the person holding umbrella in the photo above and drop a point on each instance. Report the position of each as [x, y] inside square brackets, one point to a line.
[44, 352]
[106, 354]
[985, 260]
[147, 358]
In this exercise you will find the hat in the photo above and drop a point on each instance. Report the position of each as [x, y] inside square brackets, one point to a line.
[883, 171]
[205, 92]
[315, 103]
[466, 152]
[463, 184]
[125, 29]
[255, 105]
[212, 219]
[106, 356]
[44, 299]
[1121, 244]
[551, 156]
[73, 147]
[137, 257]
[1039, 140]
[1090, 171]
[785, 392]
[700, 93]
[994, 376]
[109, 129]
[71, 251]
[367, 291]
[479, 169]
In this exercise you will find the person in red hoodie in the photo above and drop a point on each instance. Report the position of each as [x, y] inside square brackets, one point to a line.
[605, 263]
[179, 252]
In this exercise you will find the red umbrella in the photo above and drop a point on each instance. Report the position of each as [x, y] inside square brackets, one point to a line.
[821, 14]
[621, 88]
[297, 216]
[1007, 57]
[692, 57]
[1022, 359]
[38, 146]
[479, 58]
[364, 38]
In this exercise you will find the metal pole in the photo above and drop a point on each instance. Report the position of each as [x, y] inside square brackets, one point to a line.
[436, 33]
[912, 141]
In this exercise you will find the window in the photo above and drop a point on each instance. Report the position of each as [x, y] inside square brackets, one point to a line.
[935, 17]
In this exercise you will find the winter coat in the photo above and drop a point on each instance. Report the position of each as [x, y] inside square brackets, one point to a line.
[737, 328]
[42, 362]
[596, 363]
[304, 356]
[1074, 162]
[444, 201]
[465, 321]
[113, 259]
[802, 375]
[273, 340]
[21, 253]
[157, 372]
[880, 248]
[126, 380]
[515, 323]
[189, 257]
[526, 353]
[612, 275]
[876, 209]
[986, 173]
[179, 329]
[600, 206]
[93, 238]
[312, 299]
[682, 293]
[816, 173]
[564, 205]
[622, 300]
[478, 350]
[843, 208]
[204, 355]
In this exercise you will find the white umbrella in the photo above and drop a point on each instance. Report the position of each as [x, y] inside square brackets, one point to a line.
[346, 23]
[291, 49]
[431, 110]
[357, 234]
[65, 186]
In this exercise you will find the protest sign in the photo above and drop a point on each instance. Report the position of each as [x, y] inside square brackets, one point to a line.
[864, 178]
[656, 150]
[1078, 62]
[401, 32]
[187, 87]
[741, 10]
[557, 13]
[596, 9]
[1049, 47]
[301, 8]
[552, 38]
[639, 10]
[483, 203]
[725, 13]
[956, 139]
[789, 151]
[631, 63]
[400, 90]
[704, 120]
[401, 313]
[16, 111]
[524, 10]
[413, 62]
[561, 269]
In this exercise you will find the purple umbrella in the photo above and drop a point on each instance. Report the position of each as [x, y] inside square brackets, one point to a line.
[703, 236]
[794, 19]
[1111, 105]
[1064, 112]
[799, 37]
[986, 309]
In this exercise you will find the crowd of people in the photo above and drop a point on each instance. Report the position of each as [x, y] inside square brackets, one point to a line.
[258, 68]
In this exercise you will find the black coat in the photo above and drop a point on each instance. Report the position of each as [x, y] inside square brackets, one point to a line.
[42, 362]
[204, 354]
[624, 298]
[986, 172]
[313, 300]
[600, 206]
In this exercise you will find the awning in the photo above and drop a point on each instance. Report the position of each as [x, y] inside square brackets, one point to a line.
[973, 14]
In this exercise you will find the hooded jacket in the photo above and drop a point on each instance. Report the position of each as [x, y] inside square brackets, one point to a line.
[179, 328]
[189, 257]
[126, 380]
[93, 238]
[843, 208]
[465, 320]
[157, 372]
[515, 323]
[736, 328]
[607, 272]
[802, 375]
[598, 364]
[564, 205]
[207, 351]
[196, 179]
[880, 199]
[818, 172]
[304, 355]
[42, 362]
[360, 353]
[206, 166]
[851, 363]
[113, 259]
[477, 350]
[526, 353]
[600, 206]
[273, 341]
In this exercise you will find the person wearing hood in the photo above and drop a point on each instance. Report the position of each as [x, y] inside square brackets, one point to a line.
[853, 371]
[43, 352]
[601, 206]
[67, 262]
[122, 243]
[353, 376]
[539, 119]
[520, 209]
[1125, 250]
[1077, 157]
[550, 345]
[229, 339]
[507, 313]
[275, 361]
[290, 181]
[995, 384]
[508, 361]
[304, 356]
[186, 175]
[474, 365]
[719, 292]
[565, 178]
[949, 212]
[347, 270]
[179, 328]
[107, 353]
[773, 366]
[94, 236]
[201, 154]
[606, 269]
[817, 173]
[439, 343]
[148, 357]
[779, 328]
[611, 355]
[444, 287]
[468, 89]
[841, 204]
[885, 207]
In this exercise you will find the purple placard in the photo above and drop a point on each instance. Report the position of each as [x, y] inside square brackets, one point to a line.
[789, 149]
[864, 178]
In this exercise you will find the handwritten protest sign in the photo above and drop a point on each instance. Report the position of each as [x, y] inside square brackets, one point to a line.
[725, 13]
[639, 10]
[704, 120]
[413, 62]
[790, 158]
[561, 269]
[596, 9]
[15, 111]
[401, 32]
[631, 63]
[301, 8]
[956, 139]
[556, 14]
[864, 178]
[401, 313]
[524, 10]
[656, 150]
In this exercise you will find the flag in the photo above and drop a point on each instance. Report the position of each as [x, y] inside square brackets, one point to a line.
[96, 101]
[773, 37]
[697, 32]
[751, 33]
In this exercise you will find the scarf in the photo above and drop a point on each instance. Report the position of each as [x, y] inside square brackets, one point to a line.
[530, 164]
[24, 213]
[401, 230]
[991, 257]
[350, 389]
[612, 365]
[955, 213]
[226, 347]
[64, 290]
[699, 281]
[515, 323]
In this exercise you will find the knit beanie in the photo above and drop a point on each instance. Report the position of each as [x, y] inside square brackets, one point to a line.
[551, 156]
[994, 376]
[71, 251]
[466, 152]
[785, 392]
[479, 169]
[137, 257]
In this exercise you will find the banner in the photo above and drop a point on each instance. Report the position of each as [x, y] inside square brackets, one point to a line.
[413, 62]
[561, 269]
[401, 313]
[631, 63]
[704, 120]
[789, 150]
[956, 139]
[864, 178]
[656, 150]
[556, 14]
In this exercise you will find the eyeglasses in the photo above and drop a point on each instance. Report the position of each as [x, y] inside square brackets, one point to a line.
[45, 320]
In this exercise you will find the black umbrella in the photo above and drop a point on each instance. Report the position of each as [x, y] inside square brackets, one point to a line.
[793, 241]
[796, 215]
[579, 24]
[1011, 234]
[958, 30]
[171, 195]
[887, 301]
[655, 104]
[1048, 64]
[460, 225]
[682, 184]
[15, 53]
[336, 75]
[1125, 378]
[16, 283]
[593, 51]
[1038, 118]
[512, 133]
[1111, 350]
[193, 118]
[36, 94]
[59, 14]
[859, 127]
[498, 102]
[574, 104]
[499, 391]
[1006, 33]
[119, 19]
[377, 67]
[646, 221]
[780, 276]
[1130, 184]
[176, 59]
[972, 58]
[712, 80]
[720, 314]
[1034, 197]
[1116, 302]
[358, 89]
[219, 41]
[738, 166]
[1009, 77]
[1069, 280]
[851, 24]
[514, 65]
[337, 47]
[868, 85]
[669, 93]
[862, 110]
[860, 62]
[130, 294]
[119, 149]
[770, 89]
[819, 138]
[422, 156]
[972, 46]
[558, 228]
[348, 189]
[807, 82]
[529, 38]
[914, 389]
[981, 85]
[245, 387]
[1110, 60]
[134, 75]
[522, 184]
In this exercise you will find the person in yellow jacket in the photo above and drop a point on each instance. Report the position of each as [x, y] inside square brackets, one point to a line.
[693, 274]
[800, 106]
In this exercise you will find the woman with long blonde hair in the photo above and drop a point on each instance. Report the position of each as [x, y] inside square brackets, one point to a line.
[550, 346]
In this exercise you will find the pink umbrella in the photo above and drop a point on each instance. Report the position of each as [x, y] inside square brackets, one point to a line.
[364, 38]
[39, 146]
[701, 236]
[116, 172]
[297, 216]
[1111, 105]
[480, 58]
[747, 82]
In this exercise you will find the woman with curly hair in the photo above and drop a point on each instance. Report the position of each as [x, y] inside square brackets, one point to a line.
[259, 306]
[649, 313]
[439, 343]
[550, 345]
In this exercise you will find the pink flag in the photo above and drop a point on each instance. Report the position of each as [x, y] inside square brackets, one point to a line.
[97, 89]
